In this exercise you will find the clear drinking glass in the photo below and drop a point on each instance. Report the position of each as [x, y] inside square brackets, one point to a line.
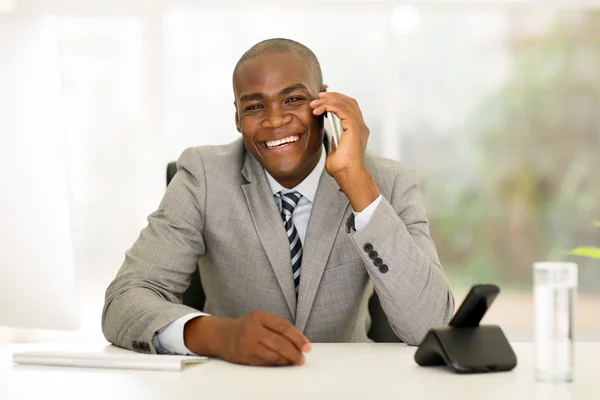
[555, 294]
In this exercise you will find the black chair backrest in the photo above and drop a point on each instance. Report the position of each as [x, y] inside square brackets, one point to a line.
[380, 330]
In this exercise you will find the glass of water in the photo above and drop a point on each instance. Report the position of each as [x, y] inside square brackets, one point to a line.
[555, 294]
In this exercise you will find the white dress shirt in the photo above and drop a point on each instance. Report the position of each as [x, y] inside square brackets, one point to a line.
[170, 339]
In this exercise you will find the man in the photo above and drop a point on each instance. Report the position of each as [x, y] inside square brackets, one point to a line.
[287, 238]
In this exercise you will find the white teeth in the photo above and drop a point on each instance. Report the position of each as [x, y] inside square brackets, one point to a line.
[276, 143]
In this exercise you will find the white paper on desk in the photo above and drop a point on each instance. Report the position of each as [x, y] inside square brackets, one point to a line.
[119, 360]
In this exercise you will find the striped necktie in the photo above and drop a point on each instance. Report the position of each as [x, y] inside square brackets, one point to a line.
[289, 201]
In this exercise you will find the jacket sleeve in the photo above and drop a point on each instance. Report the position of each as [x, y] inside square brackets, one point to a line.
[146, 294]
[401, 259]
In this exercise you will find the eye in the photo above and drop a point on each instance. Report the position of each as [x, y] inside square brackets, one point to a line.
[294, 99]
[253, 107]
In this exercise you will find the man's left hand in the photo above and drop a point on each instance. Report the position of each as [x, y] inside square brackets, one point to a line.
[353, 143]
[346, 163]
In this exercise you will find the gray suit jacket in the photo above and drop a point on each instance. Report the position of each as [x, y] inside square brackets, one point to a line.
[218, 215]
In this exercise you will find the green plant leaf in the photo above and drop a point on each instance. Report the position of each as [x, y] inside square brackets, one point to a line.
[591, 252]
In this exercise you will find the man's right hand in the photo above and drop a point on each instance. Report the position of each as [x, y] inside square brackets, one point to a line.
[258, 338]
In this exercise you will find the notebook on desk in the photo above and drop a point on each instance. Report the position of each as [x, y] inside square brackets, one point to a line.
[112, 360]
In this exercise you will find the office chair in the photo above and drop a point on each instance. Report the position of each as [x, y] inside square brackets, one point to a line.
[380, 330]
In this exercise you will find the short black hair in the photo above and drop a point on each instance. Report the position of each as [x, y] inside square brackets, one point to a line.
[280, 45]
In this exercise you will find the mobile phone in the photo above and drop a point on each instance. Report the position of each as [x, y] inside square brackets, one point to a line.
[333, 129]
[475, 305]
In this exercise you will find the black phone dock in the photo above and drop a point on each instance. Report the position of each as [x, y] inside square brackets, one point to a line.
[466, 346]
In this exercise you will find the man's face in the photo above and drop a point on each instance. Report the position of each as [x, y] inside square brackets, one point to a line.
[272, 94]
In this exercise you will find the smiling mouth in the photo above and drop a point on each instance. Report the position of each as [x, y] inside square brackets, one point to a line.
[280, 143]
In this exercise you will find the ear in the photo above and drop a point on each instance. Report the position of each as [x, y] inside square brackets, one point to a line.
[237, 119]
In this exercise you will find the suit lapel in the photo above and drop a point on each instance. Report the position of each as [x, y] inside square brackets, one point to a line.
[269, 227]
[326, 217]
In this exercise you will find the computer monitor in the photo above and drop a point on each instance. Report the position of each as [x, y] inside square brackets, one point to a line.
[37, 274]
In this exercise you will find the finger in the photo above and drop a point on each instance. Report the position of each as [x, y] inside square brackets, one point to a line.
[334, 102]
[340, 101]
[325, 95]
[338, 98]
[264, 356]
[282, 346]
[341, 111]
[285, 328]
[319, 110]
[339, 108]
[344, 101]
[271, 356]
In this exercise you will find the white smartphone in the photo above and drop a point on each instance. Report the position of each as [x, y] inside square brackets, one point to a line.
[333, 129]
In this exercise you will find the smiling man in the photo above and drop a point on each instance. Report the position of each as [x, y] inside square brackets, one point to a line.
[289, 237]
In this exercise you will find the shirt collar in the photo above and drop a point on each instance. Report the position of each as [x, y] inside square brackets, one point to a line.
[308, 187]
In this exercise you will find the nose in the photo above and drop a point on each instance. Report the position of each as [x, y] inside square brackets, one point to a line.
[274, 118]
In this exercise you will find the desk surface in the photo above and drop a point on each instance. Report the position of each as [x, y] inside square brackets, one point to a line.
[332, 371]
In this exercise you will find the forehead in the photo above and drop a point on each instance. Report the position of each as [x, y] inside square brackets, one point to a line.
[272, 72]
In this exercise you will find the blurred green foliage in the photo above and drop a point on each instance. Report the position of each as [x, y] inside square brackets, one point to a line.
[591, 252]
[538, 148]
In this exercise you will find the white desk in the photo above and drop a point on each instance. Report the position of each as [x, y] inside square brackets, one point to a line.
[332, 371]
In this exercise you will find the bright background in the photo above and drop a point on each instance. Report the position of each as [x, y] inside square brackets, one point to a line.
[496, 103]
